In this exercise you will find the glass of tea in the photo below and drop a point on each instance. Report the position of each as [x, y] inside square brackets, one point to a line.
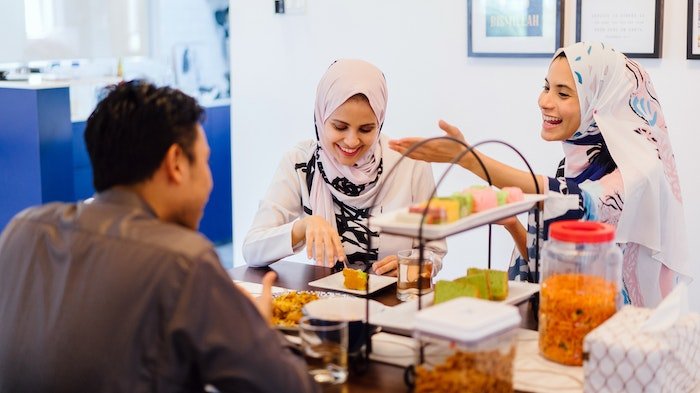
[414, 277]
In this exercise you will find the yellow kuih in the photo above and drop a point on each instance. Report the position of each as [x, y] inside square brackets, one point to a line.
[355, 279]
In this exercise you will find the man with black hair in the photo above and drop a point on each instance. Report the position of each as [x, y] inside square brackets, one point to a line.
[120, 293]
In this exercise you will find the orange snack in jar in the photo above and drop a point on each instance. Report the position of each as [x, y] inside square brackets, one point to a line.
[571, 305]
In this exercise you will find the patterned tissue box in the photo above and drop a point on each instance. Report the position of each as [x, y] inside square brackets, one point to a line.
[619, 357]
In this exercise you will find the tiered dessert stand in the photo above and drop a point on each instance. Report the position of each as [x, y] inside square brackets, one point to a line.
[418, 231]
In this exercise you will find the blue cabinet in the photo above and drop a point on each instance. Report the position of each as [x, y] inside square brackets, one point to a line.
[82, 171]
[36, 155]
[217, 223]
[43, 157]
[218, 218]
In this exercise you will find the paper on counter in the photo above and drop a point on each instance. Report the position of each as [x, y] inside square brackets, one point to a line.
[533, 373]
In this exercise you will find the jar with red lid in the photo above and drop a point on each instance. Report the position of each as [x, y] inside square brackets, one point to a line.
[581, 286]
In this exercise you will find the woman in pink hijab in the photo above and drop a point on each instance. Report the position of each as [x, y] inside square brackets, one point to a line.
[325, 189]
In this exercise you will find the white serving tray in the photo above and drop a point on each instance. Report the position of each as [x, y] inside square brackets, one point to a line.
[400, 317]
[388, 222]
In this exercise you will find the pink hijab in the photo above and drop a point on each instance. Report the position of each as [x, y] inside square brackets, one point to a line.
[344, 79]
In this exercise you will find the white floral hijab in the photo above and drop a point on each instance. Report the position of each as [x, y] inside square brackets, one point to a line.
[618, 100]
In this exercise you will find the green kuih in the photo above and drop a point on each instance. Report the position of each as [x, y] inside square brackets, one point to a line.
[448, 290]
[466, 203]
[501, 197]
[496, 282]
[479, 282]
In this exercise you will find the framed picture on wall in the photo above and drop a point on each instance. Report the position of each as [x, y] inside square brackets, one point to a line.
[514, 28]
[693, 29]
[631, 27]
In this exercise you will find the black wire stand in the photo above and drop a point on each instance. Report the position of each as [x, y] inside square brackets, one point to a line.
[363, 366]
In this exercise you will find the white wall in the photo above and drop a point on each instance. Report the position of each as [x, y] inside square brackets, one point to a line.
[421, 47]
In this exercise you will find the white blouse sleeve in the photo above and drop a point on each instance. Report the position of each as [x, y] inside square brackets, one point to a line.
[270, 236]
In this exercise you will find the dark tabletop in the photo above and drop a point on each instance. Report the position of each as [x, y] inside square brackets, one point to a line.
[378, 377]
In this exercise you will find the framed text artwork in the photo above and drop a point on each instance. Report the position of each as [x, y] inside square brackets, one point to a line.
[631, 27]
[693, 29]
[514, 28]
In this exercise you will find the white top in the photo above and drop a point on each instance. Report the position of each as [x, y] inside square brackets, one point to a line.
[269, 238]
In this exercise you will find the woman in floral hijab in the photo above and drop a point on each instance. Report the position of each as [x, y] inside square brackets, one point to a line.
[618, 168]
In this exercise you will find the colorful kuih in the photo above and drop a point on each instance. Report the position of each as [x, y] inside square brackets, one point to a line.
[444, 210]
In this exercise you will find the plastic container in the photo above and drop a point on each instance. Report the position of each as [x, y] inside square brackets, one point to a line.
[581, 286]
[467, 345]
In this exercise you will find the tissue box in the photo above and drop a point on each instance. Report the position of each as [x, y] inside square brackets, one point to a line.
[620, 357]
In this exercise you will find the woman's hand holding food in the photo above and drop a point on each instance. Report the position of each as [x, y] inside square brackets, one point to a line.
[389, 266]
[322, 241]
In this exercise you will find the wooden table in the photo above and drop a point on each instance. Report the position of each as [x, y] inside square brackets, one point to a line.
[297, 276]
[379, 377]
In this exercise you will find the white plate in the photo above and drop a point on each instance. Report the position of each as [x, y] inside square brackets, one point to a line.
[320, 294]
[389, 223]
[342, 308]
[400, 318]
[255, 289]
[335, 282]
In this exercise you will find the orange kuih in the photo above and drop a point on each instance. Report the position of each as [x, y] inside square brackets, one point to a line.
[355, 279]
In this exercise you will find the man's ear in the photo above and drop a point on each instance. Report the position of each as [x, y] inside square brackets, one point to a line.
[173, 164]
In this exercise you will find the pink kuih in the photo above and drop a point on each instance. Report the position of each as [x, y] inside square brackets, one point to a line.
[513, 194]
[484, 198]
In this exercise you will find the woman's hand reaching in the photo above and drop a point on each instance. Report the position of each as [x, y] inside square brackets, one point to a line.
[322, 241]
[441, 150]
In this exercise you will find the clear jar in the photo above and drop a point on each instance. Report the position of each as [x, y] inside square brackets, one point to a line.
[466, 345]
[581, 286]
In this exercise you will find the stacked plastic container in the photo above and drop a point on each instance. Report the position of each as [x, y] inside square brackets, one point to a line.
[468, 345]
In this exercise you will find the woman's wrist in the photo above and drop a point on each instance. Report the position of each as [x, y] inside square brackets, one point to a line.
[468, 161]
[298, 231]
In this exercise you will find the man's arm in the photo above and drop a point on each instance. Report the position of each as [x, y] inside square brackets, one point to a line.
[232, 346]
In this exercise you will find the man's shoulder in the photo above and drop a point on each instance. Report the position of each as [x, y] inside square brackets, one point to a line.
[131, 229]
[52, 210]
[175, 239]
[154, 235]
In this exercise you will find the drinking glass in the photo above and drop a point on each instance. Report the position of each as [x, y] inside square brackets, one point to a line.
[325, 346]
[410, 280]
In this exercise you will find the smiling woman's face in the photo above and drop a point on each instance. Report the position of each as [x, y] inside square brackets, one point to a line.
[351, 130]
[561, 113]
